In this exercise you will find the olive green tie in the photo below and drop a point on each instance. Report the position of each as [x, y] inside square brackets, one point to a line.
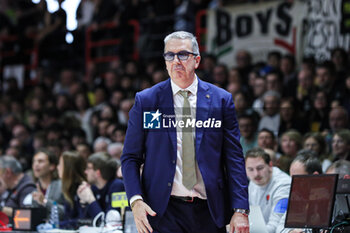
[189, 178]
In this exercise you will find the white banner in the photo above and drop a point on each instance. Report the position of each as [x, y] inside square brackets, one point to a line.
[323, 27]
[257, 28]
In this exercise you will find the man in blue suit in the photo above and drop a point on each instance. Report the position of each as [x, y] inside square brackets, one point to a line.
[185, 134]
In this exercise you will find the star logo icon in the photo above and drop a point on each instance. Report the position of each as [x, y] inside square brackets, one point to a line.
[155, 116]
[151, 119]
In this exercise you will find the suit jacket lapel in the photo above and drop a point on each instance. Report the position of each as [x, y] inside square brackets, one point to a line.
[166, 103]
[203, 107]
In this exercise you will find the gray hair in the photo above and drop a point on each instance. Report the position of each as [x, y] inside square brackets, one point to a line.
[100, 140]
[341, 167]
[272, 93]
[114, 145]
[309, 159]
[184, 35]
[8, 161]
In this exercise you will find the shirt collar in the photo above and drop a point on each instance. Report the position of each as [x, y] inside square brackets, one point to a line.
[192, 88]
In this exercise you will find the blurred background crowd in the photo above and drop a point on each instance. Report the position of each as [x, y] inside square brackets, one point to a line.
[67, 101]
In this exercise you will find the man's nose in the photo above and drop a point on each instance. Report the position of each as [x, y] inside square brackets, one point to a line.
[255, 173]
[176, 58]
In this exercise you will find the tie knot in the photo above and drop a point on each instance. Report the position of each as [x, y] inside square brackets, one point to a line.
[184, 93]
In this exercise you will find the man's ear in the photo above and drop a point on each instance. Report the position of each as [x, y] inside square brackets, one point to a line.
[98, 171]
[270, 164]
[198, 60]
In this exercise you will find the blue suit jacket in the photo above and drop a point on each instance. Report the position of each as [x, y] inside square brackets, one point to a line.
[218, 152]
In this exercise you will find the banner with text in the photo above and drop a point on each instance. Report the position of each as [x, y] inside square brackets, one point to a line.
[327, 27]
[258, 28]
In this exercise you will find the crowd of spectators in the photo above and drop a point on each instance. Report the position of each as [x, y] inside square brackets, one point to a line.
[71, 106]
[75, 108]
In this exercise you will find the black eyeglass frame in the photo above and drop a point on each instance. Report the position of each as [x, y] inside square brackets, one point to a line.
[179, 54]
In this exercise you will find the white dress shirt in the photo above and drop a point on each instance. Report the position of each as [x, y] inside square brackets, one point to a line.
[178, 188]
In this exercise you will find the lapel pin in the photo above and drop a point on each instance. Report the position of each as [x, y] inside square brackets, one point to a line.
[208, 96]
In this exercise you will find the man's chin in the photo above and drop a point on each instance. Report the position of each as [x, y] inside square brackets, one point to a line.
[179, 74]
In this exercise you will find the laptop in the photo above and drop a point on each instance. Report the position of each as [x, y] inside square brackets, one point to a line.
[256, 220]
[311, 201]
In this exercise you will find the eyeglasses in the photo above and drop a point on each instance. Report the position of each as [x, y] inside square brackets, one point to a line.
[182, 55]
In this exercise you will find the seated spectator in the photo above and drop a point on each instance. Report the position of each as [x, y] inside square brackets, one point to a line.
[220, 75]
[71, 169]
[268, 187]
[290, 118]
[208, 63]
[118, 134]
[49, 187]
[101, 175]
[274, 81]
[234, 88]
[115, 149]
[247, 126]
[123, 112]
[244, 64]
[341, 145]
[267, 139]
[271, 119]
[339, 58]
[78, 137]
[306, 163]
[259, 88]
[338, 119]
[39, 140]
[302, 89]
[341, 167]
[287, 67]
[101, 144]
[317, 143]
[19, 186]
[318, 118]
[22, 134]
[272, 155]
[84, 150]
[325, 79]
[291, 143]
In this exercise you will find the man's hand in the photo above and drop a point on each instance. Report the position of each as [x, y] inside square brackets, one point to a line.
[239, 223]
[38, 196]
[85, 193]
[140, 210]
